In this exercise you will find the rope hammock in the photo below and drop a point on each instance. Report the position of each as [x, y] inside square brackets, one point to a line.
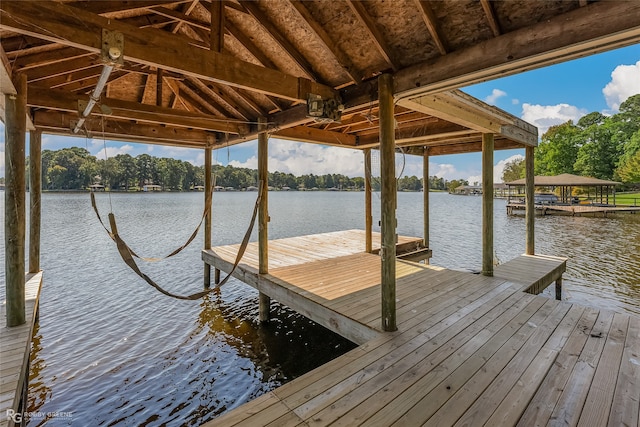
[128, 255]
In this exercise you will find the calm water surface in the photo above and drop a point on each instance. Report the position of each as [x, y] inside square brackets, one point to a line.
[113, 351]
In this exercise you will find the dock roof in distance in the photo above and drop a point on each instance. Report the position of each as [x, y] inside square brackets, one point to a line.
[565, 179]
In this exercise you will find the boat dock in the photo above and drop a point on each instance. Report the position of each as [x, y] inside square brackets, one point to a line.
[469, 349]
[15, 351]
[573, 210]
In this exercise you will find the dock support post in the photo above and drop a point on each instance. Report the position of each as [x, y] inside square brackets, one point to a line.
[487, 204]
[263, 213]
[425, 199]
[388, 203]
[559, 288]
[208, 184]
[14, 201]
[35, 191]
[530, 212]
[368, 216]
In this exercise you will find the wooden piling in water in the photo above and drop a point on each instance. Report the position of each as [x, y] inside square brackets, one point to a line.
[487, 204]
[388, 195]
[368, 216]
[35, 196]
[425, 198]
[530, 213]
[208, 186]
[14, 204]
[263, 213]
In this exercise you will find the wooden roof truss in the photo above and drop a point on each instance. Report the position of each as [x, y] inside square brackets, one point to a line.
[200, 73]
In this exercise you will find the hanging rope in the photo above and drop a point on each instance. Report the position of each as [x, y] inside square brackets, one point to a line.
[127, 254]
[176, 251]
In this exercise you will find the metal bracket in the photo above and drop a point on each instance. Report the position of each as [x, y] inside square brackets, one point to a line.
[324, 110]
[112, 51]
[82, 105]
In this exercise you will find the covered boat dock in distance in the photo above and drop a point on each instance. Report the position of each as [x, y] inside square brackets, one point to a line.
[439, 346]
[598, 196]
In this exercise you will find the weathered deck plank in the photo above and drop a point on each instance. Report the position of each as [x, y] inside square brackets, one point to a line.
[469, 350]
[15, 348]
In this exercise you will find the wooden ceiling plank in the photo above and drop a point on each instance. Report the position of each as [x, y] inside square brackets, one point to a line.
[250, 46]
[341, 57]
[59, 123]
[149, 90]
[491, 17]
[125, 110]
[317, 136]
[363, 16]
[280, 39]
[63, 24]
[595, 28]
[431, 21]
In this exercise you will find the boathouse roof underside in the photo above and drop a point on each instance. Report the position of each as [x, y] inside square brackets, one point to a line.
[198, 73]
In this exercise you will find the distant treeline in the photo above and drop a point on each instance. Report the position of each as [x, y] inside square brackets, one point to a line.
[76, 169]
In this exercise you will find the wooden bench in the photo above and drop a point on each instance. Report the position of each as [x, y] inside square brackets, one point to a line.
[534, 272]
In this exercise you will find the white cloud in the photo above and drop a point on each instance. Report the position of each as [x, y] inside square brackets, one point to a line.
[498, 168]
[625, 81]
[474, 180]
[300, 159]
[515, 101]
[495, 95]
[545, 116]
[112, 151]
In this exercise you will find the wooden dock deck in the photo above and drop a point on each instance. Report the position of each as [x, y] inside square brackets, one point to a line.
[574, 210]
[15, 351]
[469, 350]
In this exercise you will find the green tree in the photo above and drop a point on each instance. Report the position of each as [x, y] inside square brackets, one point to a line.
[601, 147]
[629, 172]
[452, 185]
[558, 150]
[513, 170]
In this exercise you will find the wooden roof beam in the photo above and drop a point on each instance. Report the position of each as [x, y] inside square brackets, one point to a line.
[59, 123]
[7, 87]
[180, 17]
[317, 136]
[209, 104]
[458, 107]
[341, 57]
[219, 98]
[109, 7]
[264, 21]
[60, 23]
[431, 21]
[595, 28]
[363, 16]
[124, 110]
[491, 17]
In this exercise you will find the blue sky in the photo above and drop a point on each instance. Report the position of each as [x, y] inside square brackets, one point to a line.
[543, 97]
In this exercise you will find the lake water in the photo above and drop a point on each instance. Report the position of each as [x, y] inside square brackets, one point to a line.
[113, 351]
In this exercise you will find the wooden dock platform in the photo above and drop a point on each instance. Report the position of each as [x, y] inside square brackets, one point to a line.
[469, 350]
[573, 210]
[15, 351]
